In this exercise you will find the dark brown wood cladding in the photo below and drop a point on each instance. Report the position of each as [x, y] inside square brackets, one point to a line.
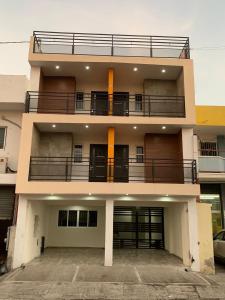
[159, 149]
[57, 84]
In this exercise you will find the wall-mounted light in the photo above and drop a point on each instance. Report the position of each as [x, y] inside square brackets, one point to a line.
[163, 127]
[53, 126]
[86, 126]
[134, 127]
[57, 67]
[87, 67]
[163, 70]
[135, 69]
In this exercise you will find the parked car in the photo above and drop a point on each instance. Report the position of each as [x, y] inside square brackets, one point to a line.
[219, 246]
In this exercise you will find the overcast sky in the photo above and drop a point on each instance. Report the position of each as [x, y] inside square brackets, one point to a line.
[202, 20]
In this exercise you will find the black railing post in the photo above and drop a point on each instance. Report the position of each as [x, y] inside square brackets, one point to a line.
[67, 104]
[29, 174]
[66, 169]
[153, 171]
[73, 43]
[112, 50]
[150, 46]
[27, 104]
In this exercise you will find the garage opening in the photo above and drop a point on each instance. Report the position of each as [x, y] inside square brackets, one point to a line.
[7, 197]
[138, 227]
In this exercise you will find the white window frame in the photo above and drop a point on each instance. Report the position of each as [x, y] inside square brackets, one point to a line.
[78, 218]
[77, 159]
[139, 155]
[4, 139]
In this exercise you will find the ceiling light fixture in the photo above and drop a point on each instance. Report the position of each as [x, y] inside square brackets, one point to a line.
[57, 67]
[89, 194]
[127, 194]
[87, 67]
[86, 126]
[135, 127]
[163, 70]
[163, 127]
[135, 69]
[53, 126]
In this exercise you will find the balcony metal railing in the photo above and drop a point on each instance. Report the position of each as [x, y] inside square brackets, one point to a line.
[112, 170]
[122, 105]
[111, 44]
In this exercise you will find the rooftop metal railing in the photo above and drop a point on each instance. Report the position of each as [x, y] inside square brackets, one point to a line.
[122, 105]
[49, 42]
[112, 170]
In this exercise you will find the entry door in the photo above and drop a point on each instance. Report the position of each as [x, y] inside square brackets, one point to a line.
[98, 163]
[121, 163]
[121, 104]
[99, 103]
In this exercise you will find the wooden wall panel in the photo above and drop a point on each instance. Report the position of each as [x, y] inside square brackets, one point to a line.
[161, 153]
[55, 103]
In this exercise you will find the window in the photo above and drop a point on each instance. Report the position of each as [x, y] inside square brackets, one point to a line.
[78, 153]
[83, 217]
[72, 222]
[139, 154]
[79, 101]
[62, 218]
[138, 102]
[75, 218]
[209, 148]
[2, 137]
[92, 222]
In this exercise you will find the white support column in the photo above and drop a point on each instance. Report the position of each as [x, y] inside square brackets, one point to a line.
[193, 235]
[20, 236]
[109, 233]
[188, 143]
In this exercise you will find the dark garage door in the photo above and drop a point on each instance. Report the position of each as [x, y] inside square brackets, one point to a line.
[7, 196]
[138, 227]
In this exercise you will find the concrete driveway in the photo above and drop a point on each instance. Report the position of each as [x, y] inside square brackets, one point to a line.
[76, 273]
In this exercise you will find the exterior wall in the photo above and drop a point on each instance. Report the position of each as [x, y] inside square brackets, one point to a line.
[12, 122]
[12, 92]
[176, 231]
[28, 240]
[75, 236]
[205, 238]
[160, 87]
[55, 144]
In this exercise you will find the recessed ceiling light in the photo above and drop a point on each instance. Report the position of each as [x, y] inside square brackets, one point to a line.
[127, 194]
[167, 195]
[163, 70]
[163, 127]
[89, 194]
[57, 67]
[86, 126]
[87, 67]
[135, 127]
[135, 69]
[53, 125]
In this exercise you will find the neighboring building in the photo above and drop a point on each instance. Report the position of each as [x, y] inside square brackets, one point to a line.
[210, 130]
[12, 92]
[107, 149]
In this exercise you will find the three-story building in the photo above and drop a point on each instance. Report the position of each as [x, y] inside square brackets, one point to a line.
[107, 156]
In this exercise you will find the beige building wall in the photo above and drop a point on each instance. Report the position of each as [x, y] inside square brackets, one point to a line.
[75, 236]
[12, 92]
[205, 238]
[11, 120]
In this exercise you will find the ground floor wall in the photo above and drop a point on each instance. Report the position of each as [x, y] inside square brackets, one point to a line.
[186, 229]
[57, 236]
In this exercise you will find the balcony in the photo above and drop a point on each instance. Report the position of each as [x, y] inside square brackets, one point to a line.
[111, 44]
[211, 159]
[118, 104]
[112, 170]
